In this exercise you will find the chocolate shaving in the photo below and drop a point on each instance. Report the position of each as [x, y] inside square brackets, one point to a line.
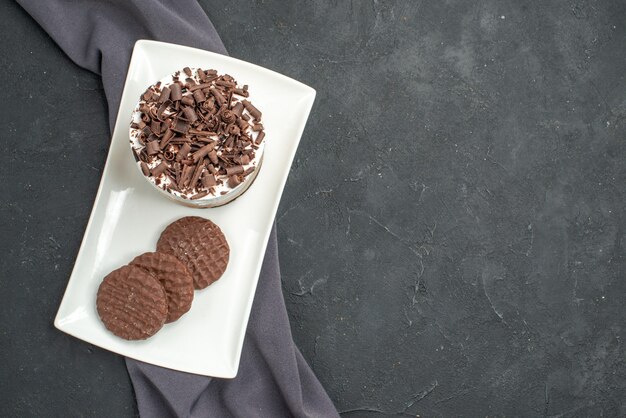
[201, 74]
[219, 97]
[183, 152]
[167, 136]
[233, 181]
[185, 176]
[199, 195]
[200, 86]
[202, 152]
[180, 126]
[155, 127]
[213, 157]
[165, 95]
[254, 112]
[237, 169]
[152, 147]
[208, 180]
[159, 169]
[190, 114]
[241, 92]
[144, 169]
[163, 107]
[199, 96]
[196, 174]
[187, 100]
[176, 92]
[237, 109]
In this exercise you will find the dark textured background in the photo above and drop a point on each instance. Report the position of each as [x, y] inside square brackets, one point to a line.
[452, 233]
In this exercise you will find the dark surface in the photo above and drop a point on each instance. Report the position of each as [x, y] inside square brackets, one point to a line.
[452, 233]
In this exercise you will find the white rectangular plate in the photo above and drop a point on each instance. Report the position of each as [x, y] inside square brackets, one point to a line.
[128, 216]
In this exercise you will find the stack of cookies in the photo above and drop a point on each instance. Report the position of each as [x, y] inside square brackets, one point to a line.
[136, 300]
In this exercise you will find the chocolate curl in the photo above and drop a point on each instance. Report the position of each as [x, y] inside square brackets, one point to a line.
[176, 92]
[189, 83]
[187, 71]
[213, 157]
[231, 171]
[243, 125]
[185, 176]
[205, 140]
[152, 147]
[213, 169]
[260, 137]
[257, 127]
[209, 104]
[167, 137]
[202, 152]
[168, 155]
[144, 169]
[256, 113]
[187, 100]
[163, 107]
[153, 113]
[199, 96]
[183, 152]
[199, 87]
[228, 116]
[219, 97]
[155, 126]
[213, 123]
[196, 174]
[190, 114]
[201, 74]
[232, 129]
[233, 181]
[199, 195]
[172, 184]
[165, 95]
[244, 160]
[177, 170]
[208, 180]
[201, 133]
[237, 109]
[241, 92]
[248, 171]
[224, 83]
[180, 126]
[159, 169]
